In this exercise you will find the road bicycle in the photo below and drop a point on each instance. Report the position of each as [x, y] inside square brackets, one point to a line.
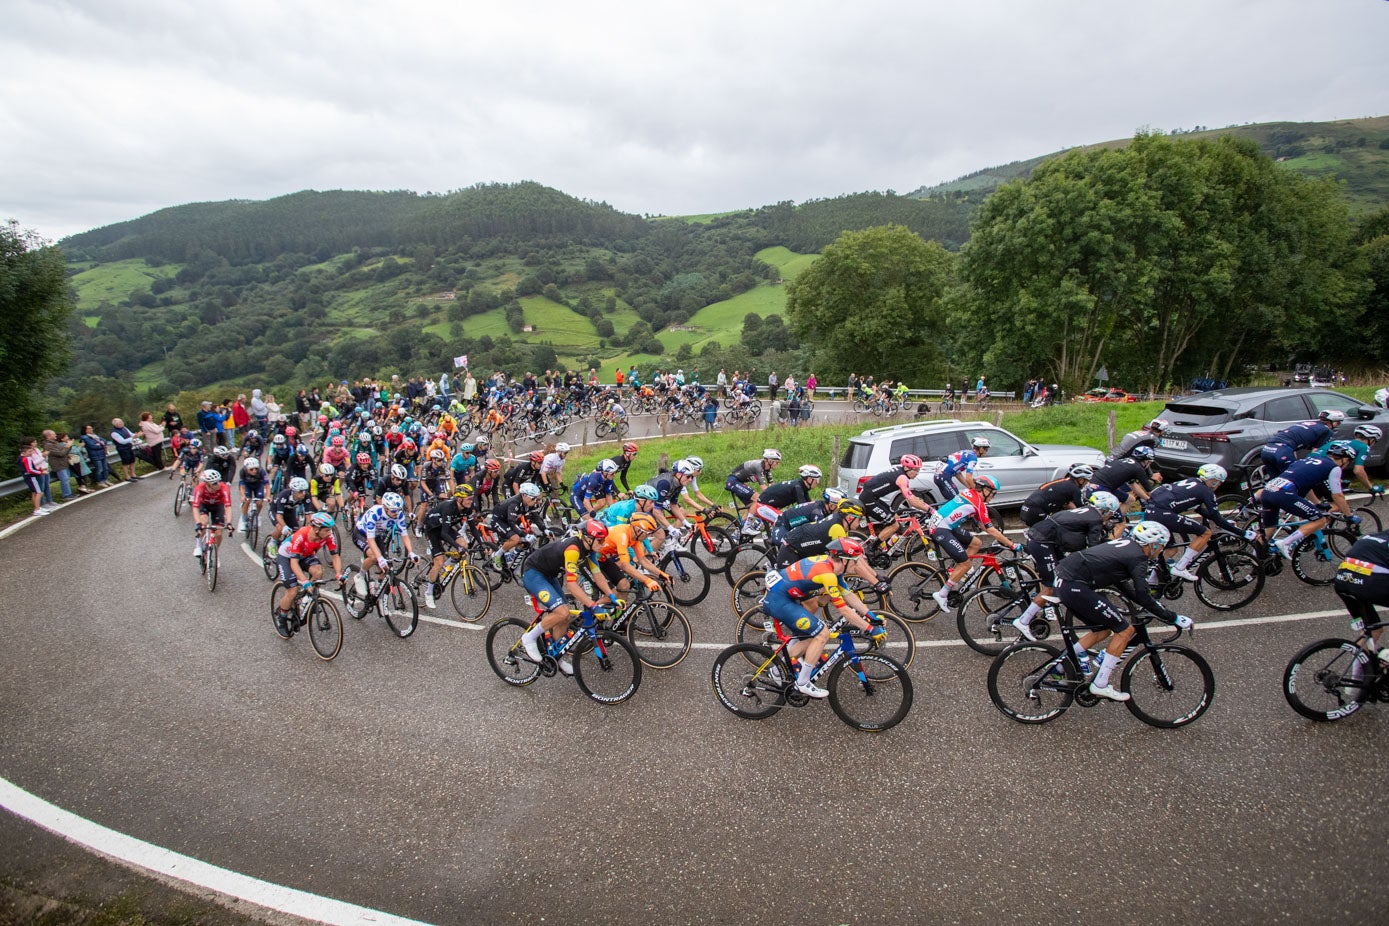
[744, 415]
[1228, 572]
[183, 494]
[756, 626]
[606, 666]
[253, 523]
[611, 426]
[391, 595]
[1169, 685]
[912, 585]
[1333, 678]
[210, 543]
[314, 611]
[715, 535]
[467, 586]
[688, 582]
[868, 691]
[658, 630]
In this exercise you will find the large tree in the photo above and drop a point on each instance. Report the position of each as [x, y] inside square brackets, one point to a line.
[872, 303]
[34, 310]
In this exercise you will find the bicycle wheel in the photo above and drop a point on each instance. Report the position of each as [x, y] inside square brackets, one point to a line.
[747, 557]
[1229, 581]
[325, 629]
[900, 645]
[660, 632]
[877, 700]
[748, 592]
[1328, 680]
[910, 587]
[210, 566]
[601, 430]
[354, 595]
[1369, 521]
[689, 579]
[752, 628]
[609, 672]
[179, 499]
[470, 593]
[985, 619]
[276, 591]
[1024, 684]
[403, 613]
[253, 529]
[1316, 563]
[714, 554]
[504, 653]
[748, 682]
[1169, 685]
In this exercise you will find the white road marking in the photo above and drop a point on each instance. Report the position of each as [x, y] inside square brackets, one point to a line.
[79, 499]
[168, 864]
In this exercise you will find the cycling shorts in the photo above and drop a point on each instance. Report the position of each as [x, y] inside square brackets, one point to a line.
[546, 594]
[1176, 523]
[1090, 607]
[1360, 593]
[946, 485]
[1276, 458]
[441, 539]
[215, 512]
[1271, 503]
[1121, 491]
[287, 575]
[880, 511]
[792, 615]
[1045, 556]
[739, 491]
[253, 491]
[953, 541]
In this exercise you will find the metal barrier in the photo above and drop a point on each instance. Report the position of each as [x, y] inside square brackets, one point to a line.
[17, 485]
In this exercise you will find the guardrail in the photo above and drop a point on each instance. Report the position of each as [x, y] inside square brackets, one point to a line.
[841, 394]
[17, 485]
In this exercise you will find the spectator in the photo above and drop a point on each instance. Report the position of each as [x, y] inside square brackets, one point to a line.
[241, 419]
[274, 414]
[304, 409]
[711, 411]
[81, 467]
[207, 422]
[771, 385]
[124, 440]
[260, 414]
[173, 421]
[226, 428]
[153, 433]
[58, 449]
[810, 384]
[96, 446]
[34, 469]
[469, 388]
[805, 407]
[793, 408]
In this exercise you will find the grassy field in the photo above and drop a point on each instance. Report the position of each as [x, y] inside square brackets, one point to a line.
[114, 282]
[787, 261]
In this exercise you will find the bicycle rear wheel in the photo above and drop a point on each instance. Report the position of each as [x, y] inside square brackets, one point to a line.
[325, 629]
[609, 671]
[748, 682]
[660, 632]
[1031, 683]
[1369, 520]
[210, 564]
[504, 653]
[1316, 563]
[910, 587]
[1328, 680]
[985, 619]
[470, 593]
[714, 555]
[689, 579]
[1169, 686]
[748, 592]
[400, 608]
[878, 700]
[1229, 581]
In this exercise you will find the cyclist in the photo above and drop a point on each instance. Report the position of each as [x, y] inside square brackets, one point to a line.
[1061, 534]
[624, 555]
[278, 458]
[884, 493]
[807, 582]
[643, 500]
[1169, 505]
[1362, 582]
[808, 512]
[551, 573]
[959, 467]
[747, 479]
[1366, 436]
[360, 478]
[1127, 478]
[510, 521]
[814, 538]
[1121, 564]
[1288, 491]
[1281, 449]
[287, 509]
[252, 444]
[592, 491]
[446, 526]
[552, 467]
[211, 499]
[692, 492]
[325, 491]
[782, 495]
[668, 488]
[300, 463]
[374, 524]
[527, 470]
[251, 483]
[624, 463]
[464, 464]
[300, 566]
[434, 485]
[190, 462]
[224, 462]
[397, 480]
[948, 533]
[336, 451]
[1057, 495]
[1146, 436]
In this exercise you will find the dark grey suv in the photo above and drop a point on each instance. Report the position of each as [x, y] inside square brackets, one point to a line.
[1231, 426]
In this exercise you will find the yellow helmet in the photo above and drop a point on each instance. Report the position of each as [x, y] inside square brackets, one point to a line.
[643, 522]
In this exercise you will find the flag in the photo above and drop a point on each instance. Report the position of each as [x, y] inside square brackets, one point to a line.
[461, 361]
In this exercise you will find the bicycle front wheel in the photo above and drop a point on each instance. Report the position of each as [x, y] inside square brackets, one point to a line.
[608, 671]
[253, 529]
[354, 595]
[900, 645]
[748, 592]
[210, 573]
[870, 692]
[1169, 686]
[403, 613]
[689, 579]
[748, 682]
[714, 553]
[268, 562]
[179, 499]
[1328, 680]
[660, 632]
[1031, 683]
[325, 629]
[745, 558]
[470, 593]
[910, 587]
[505, 655]
[1229, 581]
[1369, 520]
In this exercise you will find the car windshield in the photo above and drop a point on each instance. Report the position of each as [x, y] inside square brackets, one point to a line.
[1179, 413]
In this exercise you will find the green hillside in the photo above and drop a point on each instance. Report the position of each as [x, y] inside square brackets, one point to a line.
[114, 282]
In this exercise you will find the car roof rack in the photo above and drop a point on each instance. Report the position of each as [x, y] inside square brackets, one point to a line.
[916, 425]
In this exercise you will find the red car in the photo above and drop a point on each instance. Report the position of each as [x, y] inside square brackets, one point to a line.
[1107, 395]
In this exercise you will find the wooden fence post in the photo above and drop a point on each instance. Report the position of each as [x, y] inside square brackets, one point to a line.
[585, 443]
[664, 420]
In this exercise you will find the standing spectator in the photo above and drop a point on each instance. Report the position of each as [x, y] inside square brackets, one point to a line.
[853, 386]
[260, 414]
[303, 409]
[96, 447]
[790, 385]
[34, 468]
[979, 389]
[771, 385]
[207, 422]
[805, 407]
[793, 407]
[173, 421]
[445, 385]
[275, 415]
[469, 388]
[56, 448]
[711, 411]
[810, 384]
[241, 419]
[721, 381]
[124, 440]
[226, 427]
[153, 433]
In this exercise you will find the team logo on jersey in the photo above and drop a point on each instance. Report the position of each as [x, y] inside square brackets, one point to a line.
[802, 623]
[544, 597]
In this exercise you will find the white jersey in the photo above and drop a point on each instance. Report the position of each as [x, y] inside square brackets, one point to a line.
[553, 463]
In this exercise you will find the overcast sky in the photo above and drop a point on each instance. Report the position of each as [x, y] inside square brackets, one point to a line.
[110, 109]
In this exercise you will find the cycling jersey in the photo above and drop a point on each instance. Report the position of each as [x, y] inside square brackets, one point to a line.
[785, 494]
[1048, 499]
[751, 472]
[448, 513]
[336, 456]
[279, 457]
[462, 464]
[434, 479]
[1305, 475]
[553, 463]
[252, 480]
[623, 464]
[968, 504]
[667, 490]
[1188, 495]
[1140, 438]
[1119, 564]
[811, 539]
[1362, 452]
[590, 486]
[392, 484]
[302, 545]
[225, 466]
[558, 561]
[322, 489]
[510, 512]
[961, 461]
[804, 513]
[1071, 530]
[806, 578]
[204, 496]
[375, 521]
[1303, 435]
[620, 544]
[1116, 476]
[884, 485]
[361, 480]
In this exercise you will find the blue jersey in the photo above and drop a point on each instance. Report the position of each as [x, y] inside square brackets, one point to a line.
[619, 513]
[961, 461]
[462, 463]
[1302, 435]
[1305, 475]
[590, 486]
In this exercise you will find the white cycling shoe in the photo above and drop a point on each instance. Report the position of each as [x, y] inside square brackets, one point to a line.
[1023, 625]
[812, 690]
[1109, 692]
[1186, 574]
[532, 649]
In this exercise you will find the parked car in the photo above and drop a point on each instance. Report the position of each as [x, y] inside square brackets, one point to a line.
[1020, 467]
[1231, 426]
[1108, 395]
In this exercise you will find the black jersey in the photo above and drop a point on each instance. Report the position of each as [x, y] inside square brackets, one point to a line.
[881, 486]
[1188, 495]
[1120, 564]
[751, 472]
[812, 539]
[785, 494]
[1049, 499]
[1120, 473]
[1071, 530]
[557, 558]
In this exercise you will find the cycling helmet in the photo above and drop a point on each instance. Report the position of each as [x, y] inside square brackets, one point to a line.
[1080, 471]
[211, 477]
[530, 490]
[436, 407]
[607, 467]
[771, 454]
[220, 452]
[482, 444]
[1369, 432]
[646, 492]
[683, 468]
[595, 529]
[278, 440]
[810, 472]
[393, 503]
[1150, 533]
[988, 482]
[252, 463]
[463, 490]
[536, 458]
[363, 459]
[1103, 501]
[322, 419]
[376, 430]
[493, 466]
[408, 445]
[359, 410]
[561, 447]
[321, 519]
[1212, 471]
[1332, 415]
[910, 461]
[291, 432]
[437, 456]
[696, 462]
[643, 522]
[465, 448]
[851, 508]
[1158, 424]
[980, 443]
[302, 450]
[1143, 452]
[334, 432]
[299, 484]
[1339, 448]
[196, 443]
[399, 472]
[327, 470]
[834, 496]
[844, 548]
[630, 447]
[338, 441]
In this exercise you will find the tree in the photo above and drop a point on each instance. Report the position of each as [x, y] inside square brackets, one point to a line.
[34, 310]
[873, 301]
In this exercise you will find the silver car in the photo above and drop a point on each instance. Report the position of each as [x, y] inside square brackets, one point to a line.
[1018, 466]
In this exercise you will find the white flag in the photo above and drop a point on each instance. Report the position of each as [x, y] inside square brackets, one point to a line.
[461, 361]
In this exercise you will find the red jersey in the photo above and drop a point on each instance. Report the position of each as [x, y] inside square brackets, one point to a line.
[203, 495]
[302, 544]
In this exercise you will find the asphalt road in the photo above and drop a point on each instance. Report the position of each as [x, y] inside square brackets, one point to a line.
[406, 777]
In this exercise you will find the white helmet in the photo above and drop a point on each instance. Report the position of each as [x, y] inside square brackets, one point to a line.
[561, 447]
[1332, 416]
[399, 472]
[252, 463]
[771, 454]
[1104, 501]
[980, 443]
[211, 477]
[299, 484]
[326, 470]
[393, 503]
[607, 467]
[530, 489]
[683, 468]
[696, 462]
[1150, 533]
[1212, 471]
[810, 472]
[834, 496]
[1369, 432]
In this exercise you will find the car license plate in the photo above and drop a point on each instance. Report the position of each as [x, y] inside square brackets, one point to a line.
[1171, 443]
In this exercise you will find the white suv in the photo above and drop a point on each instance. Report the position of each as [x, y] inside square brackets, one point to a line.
[1018, 466]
